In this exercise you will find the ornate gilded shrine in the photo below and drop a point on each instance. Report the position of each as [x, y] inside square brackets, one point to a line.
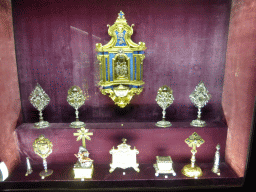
[121, 63]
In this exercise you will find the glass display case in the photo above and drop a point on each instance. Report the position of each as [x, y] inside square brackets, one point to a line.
[53, 43]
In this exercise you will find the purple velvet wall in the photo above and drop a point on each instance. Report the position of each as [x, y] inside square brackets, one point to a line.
[55, 46]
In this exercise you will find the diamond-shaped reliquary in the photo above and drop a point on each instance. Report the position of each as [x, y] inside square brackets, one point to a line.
[121, 63]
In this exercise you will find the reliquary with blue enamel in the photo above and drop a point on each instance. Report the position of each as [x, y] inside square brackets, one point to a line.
[121, 63]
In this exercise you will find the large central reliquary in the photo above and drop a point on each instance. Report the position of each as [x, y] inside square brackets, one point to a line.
[121, 63]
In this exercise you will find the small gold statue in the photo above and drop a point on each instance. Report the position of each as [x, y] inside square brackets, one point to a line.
[164, 166]
[83, 169]
[164, 99]
[121, 63]
[192, 170]
[124, 157]
[215, 168]
[76, 99]
[199, 98]
[39, 99]
[43, 147]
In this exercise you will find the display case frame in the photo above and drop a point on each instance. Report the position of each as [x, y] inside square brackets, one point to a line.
[239, 79]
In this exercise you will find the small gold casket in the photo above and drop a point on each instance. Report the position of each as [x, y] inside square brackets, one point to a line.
[83, 172]
[164, 166]
[124, 157]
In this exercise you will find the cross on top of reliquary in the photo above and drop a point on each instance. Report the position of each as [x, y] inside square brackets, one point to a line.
[83, 134]
[121, 15]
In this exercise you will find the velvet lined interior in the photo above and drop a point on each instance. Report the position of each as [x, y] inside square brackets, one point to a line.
[146, 137]
[185, 40]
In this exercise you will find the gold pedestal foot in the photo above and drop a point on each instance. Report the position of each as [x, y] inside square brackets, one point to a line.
[198, 123]
[192, 171]
[77, 124]
[163, 123]
[42, 124]
[45, 173]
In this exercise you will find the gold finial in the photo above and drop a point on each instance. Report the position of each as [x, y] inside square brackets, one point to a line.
[121, 15]
[83, 134]
[124, 140]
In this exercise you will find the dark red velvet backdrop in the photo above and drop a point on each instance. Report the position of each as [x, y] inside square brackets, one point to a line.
[149, 140]
[55, 46]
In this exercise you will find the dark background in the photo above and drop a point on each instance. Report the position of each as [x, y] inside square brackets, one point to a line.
[55, 47]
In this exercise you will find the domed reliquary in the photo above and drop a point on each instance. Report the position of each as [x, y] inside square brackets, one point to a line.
[121, 63]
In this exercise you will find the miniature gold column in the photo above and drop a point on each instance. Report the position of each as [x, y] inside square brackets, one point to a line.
[192, 170]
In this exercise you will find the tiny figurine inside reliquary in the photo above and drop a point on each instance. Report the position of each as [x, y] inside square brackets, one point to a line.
[83, 169]
[121, 63]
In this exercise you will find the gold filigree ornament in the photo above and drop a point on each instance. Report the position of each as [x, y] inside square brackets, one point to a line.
[164, 99]
[121, 63]
[76, 99]
[39, 99]
[43, 147]
[199, 98]
[192, 170]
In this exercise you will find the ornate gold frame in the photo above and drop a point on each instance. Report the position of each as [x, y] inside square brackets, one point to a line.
[121, 90]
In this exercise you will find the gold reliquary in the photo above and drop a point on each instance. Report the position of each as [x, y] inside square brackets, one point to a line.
[121, 63]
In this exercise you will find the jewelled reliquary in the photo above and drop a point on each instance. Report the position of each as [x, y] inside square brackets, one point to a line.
[121, 63]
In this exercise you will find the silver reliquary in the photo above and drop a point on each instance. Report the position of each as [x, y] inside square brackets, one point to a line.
[124, 157]
[164, 166]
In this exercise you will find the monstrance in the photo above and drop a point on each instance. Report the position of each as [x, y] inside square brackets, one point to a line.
[39, 99]
[199, 98]
[192, 170]
[43, 147]
[83, 169]
[164, 99]
[76, 99]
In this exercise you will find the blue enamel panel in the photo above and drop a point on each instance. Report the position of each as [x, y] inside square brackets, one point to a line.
[106, 62]
[130, 55]
[120, 40]
[111, 56]
[134, 86]
[138, 52]
[135, 68]
[108, 87]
